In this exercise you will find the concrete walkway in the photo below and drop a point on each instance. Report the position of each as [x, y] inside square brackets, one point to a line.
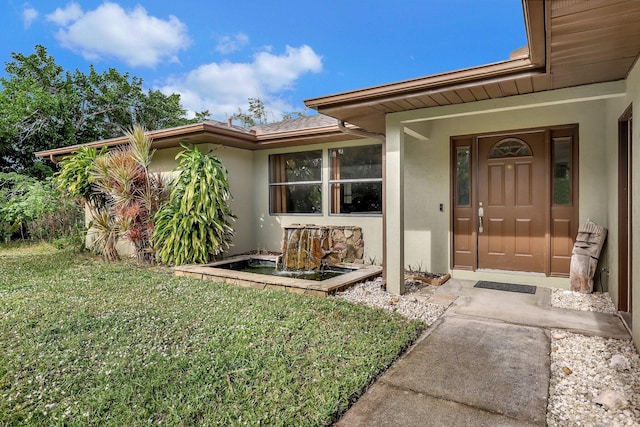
[485, 362]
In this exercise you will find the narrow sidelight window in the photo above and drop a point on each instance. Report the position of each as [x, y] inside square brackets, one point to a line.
[562, 155]
[463, 176]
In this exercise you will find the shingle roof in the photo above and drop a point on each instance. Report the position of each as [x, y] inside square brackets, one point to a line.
[308, 122]
[303, 130]
[218, 123]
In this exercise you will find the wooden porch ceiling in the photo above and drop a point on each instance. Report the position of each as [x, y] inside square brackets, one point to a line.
[571, 43]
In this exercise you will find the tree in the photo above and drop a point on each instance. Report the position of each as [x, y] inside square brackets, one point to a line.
[33, 109]
[43, 106]
[257, 114]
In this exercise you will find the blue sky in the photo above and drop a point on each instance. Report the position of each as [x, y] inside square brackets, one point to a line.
[216, 54]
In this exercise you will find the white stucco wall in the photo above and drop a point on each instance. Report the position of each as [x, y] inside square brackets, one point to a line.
[268, 228]
[427, 174]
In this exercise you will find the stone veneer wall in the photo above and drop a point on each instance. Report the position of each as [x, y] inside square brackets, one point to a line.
[308, 247]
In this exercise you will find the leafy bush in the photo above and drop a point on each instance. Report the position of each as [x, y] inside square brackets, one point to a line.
[195, 224]
[74, 176]
[36, 209]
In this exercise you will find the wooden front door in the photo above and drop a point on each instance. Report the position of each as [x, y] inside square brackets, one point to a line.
[513, 202]
[527, 183]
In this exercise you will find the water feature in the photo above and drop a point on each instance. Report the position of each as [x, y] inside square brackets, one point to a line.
[315, 260]
[268, 267]
[309, 247]
[231, 271]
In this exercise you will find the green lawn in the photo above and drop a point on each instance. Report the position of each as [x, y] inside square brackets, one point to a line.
[88, 343]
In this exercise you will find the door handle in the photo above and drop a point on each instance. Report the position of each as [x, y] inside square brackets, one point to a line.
[480, 217]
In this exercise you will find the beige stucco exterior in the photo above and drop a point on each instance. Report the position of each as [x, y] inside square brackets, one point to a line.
[268, 227]
[632, 97]
[426, 163]
[426, 171]
[238, 163]
[255, 227]
[417, 181]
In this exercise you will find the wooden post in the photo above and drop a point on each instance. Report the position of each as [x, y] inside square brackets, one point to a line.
[585, 254]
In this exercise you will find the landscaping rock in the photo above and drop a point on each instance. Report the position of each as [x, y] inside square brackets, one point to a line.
[612, 400]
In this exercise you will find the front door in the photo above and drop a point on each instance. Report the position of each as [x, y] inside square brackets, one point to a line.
[514, 198]
[513, 202]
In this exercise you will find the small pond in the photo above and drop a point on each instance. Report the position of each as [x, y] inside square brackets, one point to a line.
[258, 271]
[262, 266]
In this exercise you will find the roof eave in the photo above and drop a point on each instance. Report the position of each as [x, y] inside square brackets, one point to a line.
[303, 137]
[436, 81]
[534, 17]
[171, 137]
[207, 133]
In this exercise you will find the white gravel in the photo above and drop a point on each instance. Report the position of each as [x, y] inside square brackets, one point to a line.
[586, 302]
[583, 368]
[413, 304]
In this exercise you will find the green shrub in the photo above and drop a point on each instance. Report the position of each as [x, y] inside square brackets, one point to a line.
[35, 209]
[194, 225]
[74, 176]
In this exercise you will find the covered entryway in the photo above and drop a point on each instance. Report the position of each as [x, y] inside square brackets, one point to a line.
[513, 201]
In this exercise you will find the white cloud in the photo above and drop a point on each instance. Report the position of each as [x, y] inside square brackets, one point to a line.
[109, 31]
[223, 87]
[29, 15]
[63, 17]
[230, 44]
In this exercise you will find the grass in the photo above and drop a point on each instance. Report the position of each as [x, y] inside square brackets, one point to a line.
[88, 343]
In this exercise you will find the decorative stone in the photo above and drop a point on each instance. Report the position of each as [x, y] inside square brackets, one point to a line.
[612, 400]
[310, 246]
[620, 363]
[338, 235]
[340, 246]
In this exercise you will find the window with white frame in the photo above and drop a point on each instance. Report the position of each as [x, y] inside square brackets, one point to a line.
[356, 180]
[295, 183]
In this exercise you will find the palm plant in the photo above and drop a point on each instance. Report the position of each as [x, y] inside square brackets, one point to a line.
[133, 194]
